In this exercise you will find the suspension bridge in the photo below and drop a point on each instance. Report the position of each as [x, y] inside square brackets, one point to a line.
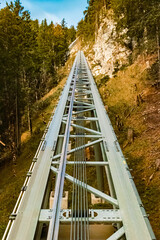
[79, 185]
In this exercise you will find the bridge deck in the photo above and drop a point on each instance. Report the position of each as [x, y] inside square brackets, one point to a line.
[79, 124]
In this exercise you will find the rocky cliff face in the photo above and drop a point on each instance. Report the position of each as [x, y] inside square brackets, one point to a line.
[106, 53]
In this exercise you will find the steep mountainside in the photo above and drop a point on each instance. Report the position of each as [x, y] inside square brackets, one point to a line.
[132, 99]
[133, 106]
[107, 54]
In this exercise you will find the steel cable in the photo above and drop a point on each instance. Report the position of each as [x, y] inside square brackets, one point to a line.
[79, 215]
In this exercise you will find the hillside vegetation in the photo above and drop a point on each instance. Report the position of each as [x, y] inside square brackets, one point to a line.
[133, 107]
[137, 22]
[131, 96]
[31, 55]
[13, 174]
[136, 27]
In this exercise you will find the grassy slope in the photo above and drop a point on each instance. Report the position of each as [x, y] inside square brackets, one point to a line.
[12, 175]
[119, 95]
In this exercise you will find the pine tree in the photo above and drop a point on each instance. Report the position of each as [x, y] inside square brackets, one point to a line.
[30, 54]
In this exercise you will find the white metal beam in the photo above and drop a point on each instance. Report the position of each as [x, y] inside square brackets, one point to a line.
[82, 136]
[117, 235]
[95, 216]
[93, 190]
[78, 148]
[84, 128]
[89, 163]
[79, 112]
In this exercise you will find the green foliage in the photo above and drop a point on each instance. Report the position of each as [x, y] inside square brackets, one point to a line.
[30, 55]
[153, 72]
[116, 67]
[103, 81]
[137, 21]
[87, 27]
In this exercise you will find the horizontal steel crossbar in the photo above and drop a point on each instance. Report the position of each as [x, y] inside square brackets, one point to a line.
[89, 163]
[82, 136]
[95, 215]
[83, 119]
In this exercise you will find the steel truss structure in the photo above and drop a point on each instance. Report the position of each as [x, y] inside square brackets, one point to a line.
[79, 124]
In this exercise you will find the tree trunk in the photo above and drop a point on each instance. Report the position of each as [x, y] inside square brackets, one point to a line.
[130, 135]
[29, 120]
[158, 52]
[96, 26]
[7, 109]
[104, 2]
[145, 38]
[17, 127]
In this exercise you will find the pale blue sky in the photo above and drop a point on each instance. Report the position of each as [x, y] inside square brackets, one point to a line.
[55, 10]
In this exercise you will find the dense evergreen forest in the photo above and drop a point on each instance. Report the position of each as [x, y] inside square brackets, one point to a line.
[137, 23]
[30, 55]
